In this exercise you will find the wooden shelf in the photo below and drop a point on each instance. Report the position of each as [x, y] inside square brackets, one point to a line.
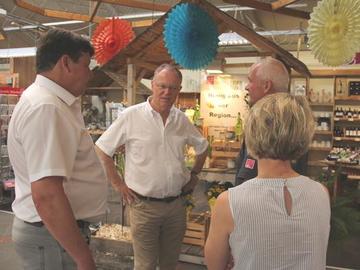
[317, 163]
[353, 177]
[345, 119]
[321, 104]
[224, 154]
[227, 144]
[327, 149]
[349, 139]
[350, 98]
[339, 164]
[323, 132]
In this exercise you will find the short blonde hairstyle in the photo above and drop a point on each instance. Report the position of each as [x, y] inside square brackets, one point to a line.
[280, 126]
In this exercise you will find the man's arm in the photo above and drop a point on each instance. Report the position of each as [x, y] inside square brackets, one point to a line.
[115, 179]
[55, 211]
[199, 163]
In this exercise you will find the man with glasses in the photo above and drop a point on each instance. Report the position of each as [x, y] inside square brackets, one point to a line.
[155, 134]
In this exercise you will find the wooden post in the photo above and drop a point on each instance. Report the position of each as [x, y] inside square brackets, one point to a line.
[131, 83]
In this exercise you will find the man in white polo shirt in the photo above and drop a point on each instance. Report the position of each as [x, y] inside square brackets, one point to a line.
[155, 134]
[60, 185]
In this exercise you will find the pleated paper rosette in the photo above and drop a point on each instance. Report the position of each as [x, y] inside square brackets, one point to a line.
[191, 36]
[334, 31]
[110, 37]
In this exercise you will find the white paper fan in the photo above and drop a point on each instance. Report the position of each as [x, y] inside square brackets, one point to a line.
[334, 31]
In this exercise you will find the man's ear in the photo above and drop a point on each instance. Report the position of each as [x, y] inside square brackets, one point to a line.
[267, 86]
[64, 62]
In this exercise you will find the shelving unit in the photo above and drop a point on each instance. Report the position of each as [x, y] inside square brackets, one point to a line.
[343, 100]
[224, 150]
[7, 105]
[317, 88]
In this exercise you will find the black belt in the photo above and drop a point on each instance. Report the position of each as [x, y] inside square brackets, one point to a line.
[81, 224]
[166, 199]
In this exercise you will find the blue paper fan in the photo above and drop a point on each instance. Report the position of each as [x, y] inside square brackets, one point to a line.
[191, 36]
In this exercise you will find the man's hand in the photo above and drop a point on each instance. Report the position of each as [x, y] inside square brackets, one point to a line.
[127, 194]
[190, 186]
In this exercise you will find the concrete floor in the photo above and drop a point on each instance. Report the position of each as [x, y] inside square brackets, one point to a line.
[106, 261]
[10, 261]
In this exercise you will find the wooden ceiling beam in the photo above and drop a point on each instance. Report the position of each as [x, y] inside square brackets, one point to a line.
[149, 47]
[257, 40]
[72, 16]
[282, 3]
[143, 64]
[94, 8]
[138, 4]
[222, 55]
[267, 7]
[140, 75]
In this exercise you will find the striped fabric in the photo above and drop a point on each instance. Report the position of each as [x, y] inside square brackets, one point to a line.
[266, 237]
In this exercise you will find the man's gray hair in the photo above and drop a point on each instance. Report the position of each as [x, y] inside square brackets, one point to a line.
[168, 67]
[271, 69]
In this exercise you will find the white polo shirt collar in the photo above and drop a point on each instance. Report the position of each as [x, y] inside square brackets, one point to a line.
[154, 113]
[56, 89]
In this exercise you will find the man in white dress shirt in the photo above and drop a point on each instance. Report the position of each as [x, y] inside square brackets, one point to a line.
[155, 134]
[60, 185]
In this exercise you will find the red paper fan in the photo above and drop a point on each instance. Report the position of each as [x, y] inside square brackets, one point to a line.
[110, 37]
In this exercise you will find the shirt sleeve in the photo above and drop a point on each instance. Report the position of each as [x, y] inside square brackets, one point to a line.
[114, 136]
[194, 138]
[50, 142]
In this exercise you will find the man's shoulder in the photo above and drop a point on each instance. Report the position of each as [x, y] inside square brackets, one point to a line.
[38, 95]
[137, 108]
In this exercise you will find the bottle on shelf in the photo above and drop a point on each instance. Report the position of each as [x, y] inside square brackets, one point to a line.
[355, 114]
[341, 112]
[238, 127]
[196, 116]
[349, 114]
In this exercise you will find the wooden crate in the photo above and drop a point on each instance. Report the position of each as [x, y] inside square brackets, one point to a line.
[197, 229]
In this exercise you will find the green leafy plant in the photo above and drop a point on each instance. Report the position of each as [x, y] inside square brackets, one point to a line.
[119, 160]
[345, 215]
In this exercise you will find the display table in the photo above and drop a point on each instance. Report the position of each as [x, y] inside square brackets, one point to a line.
[219, 175]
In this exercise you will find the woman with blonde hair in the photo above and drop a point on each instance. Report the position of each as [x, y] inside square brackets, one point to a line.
[279, 219]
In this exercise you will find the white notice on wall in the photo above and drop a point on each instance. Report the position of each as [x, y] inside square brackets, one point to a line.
[222, 97]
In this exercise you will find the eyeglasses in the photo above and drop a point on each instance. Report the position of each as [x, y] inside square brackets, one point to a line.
[164, 87]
